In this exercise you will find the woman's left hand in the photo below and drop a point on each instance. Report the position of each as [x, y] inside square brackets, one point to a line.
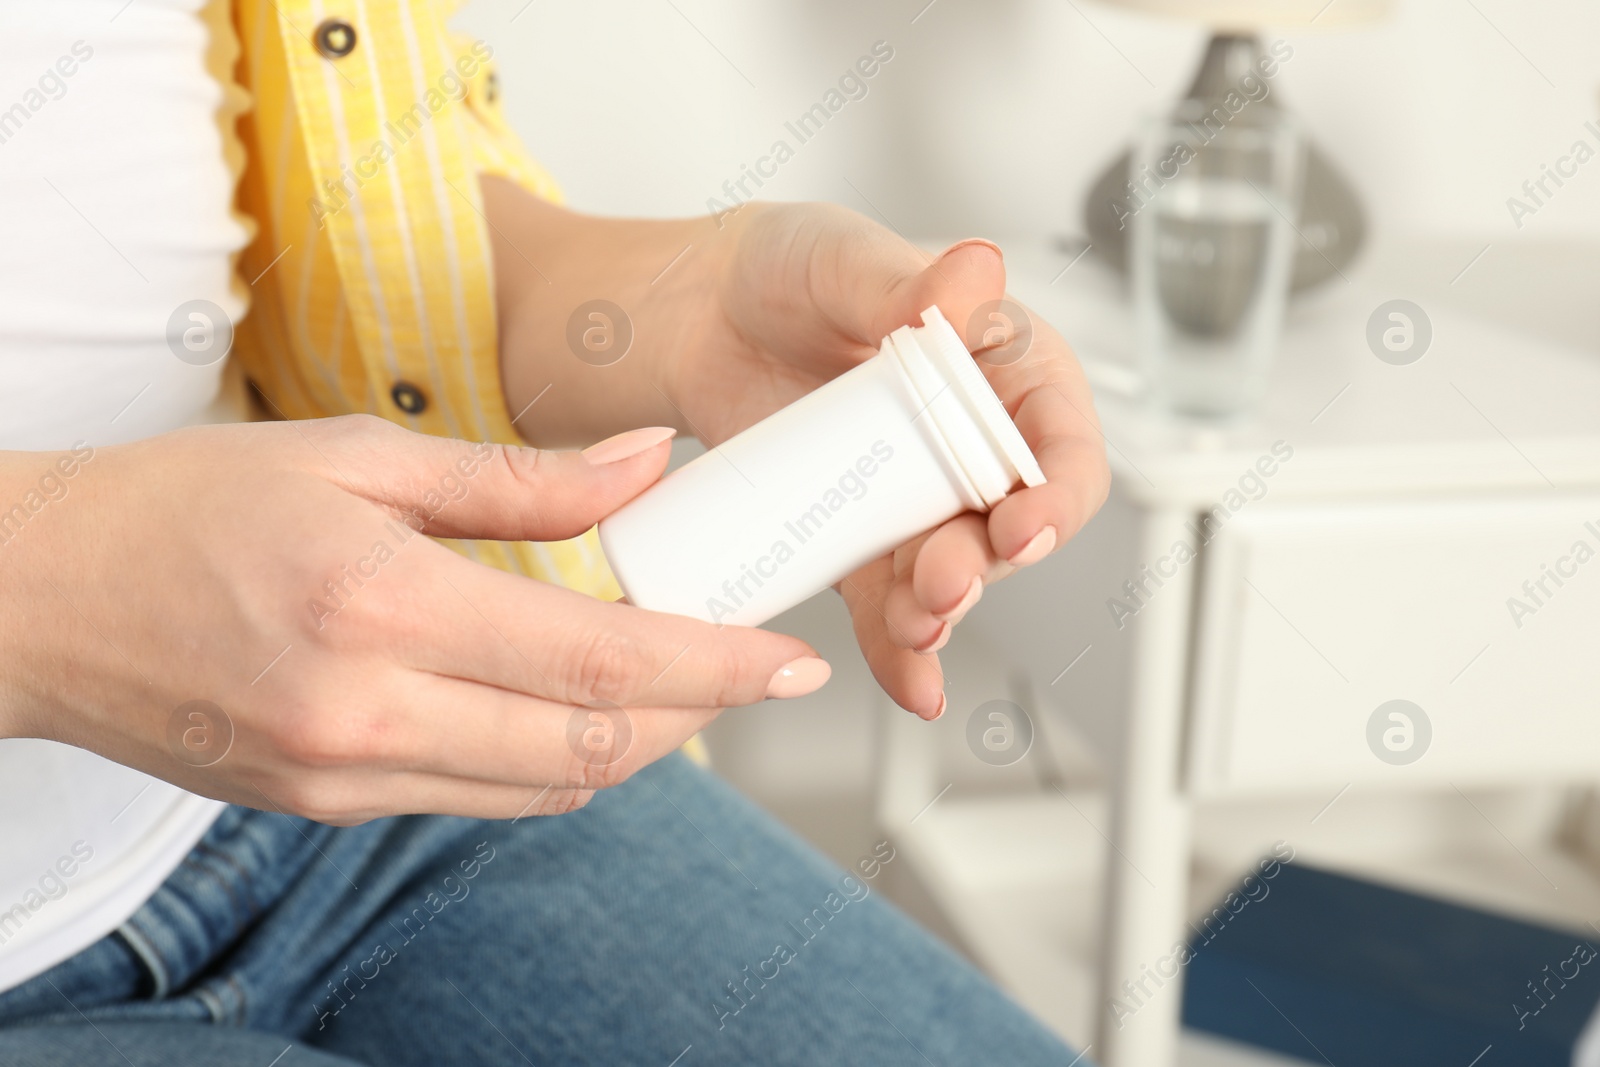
[728, 320]
[804, 292]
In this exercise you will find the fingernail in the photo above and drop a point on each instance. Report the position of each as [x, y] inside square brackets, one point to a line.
[990, 245]
[1035, 550]
[943, 702]
[799, 677]
[939, 639]
[631, 443]
[971, 597]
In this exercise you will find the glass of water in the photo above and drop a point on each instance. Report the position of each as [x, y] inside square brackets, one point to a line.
[1211, 201]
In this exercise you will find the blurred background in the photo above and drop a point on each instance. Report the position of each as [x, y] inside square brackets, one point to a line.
[1230, 717]
[993, 118]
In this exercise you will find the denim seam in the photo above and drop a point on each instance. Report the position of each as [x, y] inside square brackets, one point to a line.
[141, 946]
[241, 1000]
[212, 1004]
[245, 908]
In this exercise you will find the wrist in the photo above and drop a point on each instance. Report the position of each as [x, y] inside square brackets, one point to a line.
[696, 317]
[603, 315]
[30, 485]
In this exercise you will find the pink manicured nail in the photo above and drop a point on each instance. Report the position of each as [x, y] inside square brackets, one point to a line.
[939, 640]
[1035, 550]
[973, 241]
[799, 677]
[631, 443]
[971, 597]
[943, 703]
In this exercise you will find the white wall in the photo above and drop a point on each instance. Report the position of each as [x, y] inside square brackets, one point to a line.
[995, 114]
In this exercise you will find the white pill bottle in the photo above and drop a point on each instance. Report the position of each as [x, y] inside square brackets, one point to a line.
[888, 450]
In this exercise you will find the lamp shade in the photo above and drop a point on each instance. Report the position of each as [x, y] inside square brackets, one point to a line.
[1256, 14]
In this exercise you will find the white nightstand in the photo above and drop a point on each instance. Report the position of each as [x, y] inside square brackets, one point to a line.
[1377, 520]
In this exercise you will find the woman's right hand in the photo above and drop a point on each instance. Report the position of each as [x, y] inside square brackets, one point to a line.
[272, 570]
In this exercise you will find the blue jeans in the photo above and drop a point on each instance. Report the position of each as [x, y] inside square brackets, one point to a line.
[669, 922]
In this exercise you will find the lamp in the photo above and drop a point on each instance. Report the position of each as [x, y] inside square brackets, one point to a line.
[1331, 220]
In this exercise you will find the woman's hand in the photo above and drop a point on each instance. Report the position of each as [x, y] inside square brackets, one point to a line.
[280, 573]
[727, 323]
[807, 291]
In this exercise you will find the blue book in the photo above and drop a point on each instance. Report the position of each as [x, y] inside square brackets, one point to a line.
[1332, 969]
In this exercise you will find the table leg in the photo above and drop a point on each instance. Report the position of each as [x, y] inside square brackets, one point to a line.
[1141, 981]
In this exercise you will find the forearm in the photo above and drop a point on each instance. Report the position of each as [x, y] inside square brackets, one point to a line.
[549, 262]
[14, 484]
[35, 489]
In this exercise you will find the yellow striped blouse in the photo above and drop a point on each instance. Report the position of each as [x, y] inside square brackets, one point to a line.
[362, 136]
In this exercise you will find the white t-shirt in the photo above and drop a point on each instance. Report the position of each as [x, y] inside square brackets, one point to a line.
[116, 211]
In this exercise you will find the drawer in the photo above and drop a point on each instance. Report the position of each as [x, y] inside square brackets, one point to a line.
[1483, 612]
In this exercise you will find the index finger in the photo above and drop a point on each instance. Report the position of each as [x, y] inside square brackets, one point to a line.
[546, 641]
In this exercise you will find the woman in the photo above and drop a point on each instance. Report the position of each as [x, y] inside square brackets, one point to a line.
[288, 752]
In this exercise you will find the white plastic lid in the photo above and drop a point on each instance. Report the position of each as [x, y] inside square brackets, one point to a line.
[983, 441]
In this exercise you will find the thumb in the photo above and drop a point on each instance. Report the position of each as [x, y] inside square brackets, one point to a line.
[449, 488]
[966, 281]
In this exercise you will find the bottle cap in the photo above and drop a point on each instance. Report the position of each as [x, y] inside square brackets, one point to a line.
[979, 436]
